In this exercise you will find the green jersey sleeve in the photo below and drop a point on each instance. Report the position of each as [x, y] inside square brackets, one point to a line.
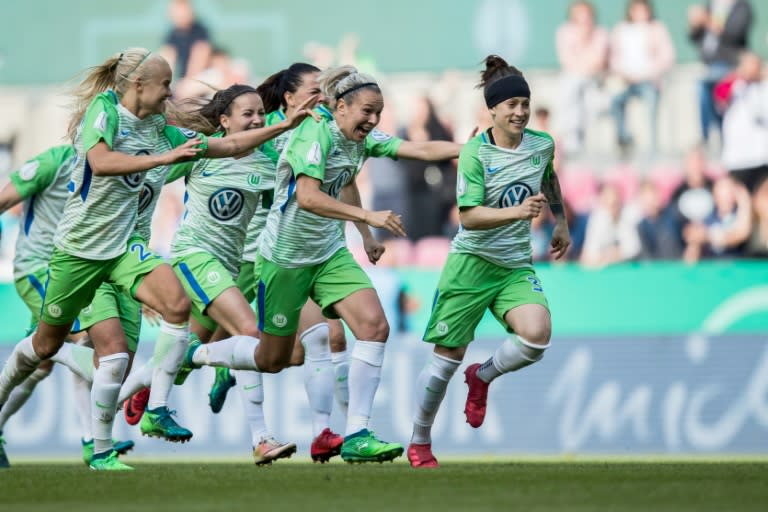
[180, 170]
[100, 121]
[378, 144]
[38, 173]
[178, 136]
[307, 152]
[470, 185]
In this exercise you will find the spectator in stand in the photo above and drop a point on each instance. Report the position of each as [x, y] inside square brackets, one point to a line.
[582, 49]
[641, 53]
[187, 46]
[221, 72]
[745, 124]
[659, 238]
[757, 246]
[719, 29]
[611, 231]
[429, 183]
[727, 228]
[692, 200]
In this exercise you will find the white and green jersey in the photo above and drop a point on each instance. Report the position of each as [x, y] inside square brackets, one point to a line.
[294, 237]
[101, 211]
[154, 180]
[272, 148]
[221, 197]
[42, 184]
[496, 177]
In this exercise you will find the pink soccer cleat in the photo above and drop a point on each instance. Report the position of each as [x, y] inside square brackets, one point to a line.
[134, 406]
[477, 396]
[420, 456]
[326, 445]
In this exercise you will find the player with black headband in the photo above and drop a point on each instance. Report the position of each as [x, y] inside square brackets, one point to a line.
[505, 179]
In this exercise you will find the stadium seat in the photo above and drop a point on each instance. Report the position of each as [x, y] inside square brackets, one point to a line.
[431, 251]
[579, 186]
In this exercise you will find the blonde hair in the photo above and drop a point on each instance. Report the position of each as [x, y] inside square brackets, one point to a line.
[116, 73]
[344, 81]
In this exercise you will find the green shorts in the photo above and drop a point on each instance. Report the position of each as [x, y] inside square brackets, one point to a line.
[282, 292]
[72, 281]
[111, 302]
[31, 289]
[204, 278]
[470, 284]
[247, 279]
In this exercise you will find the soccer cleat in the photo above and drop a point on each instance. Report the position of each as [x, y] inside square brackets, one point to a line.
[187, 365]
[159, 423]
[420, 456]
[363, 446]
[326, 445]
[121, 447]
[134, 407]
[3, 457]
[270, 449]
[223, 382]
[108, 461]
[477, 396]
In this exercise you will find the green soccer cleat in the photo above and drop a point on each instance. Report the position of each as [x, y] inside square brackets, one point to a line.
[363, 446]
[159, 423]
[121, 447]
[223, 382]
[3, 457]
[186, 365]
[108, 461]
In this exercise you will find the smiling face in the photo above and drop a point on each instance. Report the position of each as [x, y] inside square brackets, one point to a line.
[359, 114]
[153, 88]
[309, 87]
[511, 116]
[246, 112]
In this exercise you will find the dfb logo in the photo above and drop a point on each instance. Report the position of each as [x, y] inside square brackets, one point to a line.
[514, 194]
[226, 203]
[340, 182]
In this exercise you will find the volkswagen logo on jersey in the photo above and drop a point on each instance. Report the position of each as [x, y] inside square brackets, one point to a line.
[145, 197]
[135, 179]
[226, 203]
[341, 180]
[514, 194]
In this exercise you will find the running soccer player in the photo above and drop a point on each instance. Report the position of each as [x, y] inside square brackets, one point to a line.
[505, 179]
[41, 183]
[120, 132]
[303, 252]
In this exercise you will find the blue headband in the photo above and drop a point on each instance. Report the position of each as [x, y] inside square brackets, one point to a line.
[510, 86]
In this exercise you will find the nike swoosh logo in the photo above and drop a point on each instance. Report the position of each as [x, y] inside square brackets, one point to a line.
[100, 405]
[341, 379]
[125, 133]
[248, 388]
[492, 170]
[205, 174]
[432, 390]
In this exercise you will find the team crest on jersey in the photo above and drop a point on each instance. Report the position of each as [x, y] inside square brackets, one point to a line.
[54, 310]
[226, 203]
[442, 328]
[254, 179]
[190, 134]
[536, 160]
[341, 180]
[145, 197]
[279, 320]
[29, 170]
[379, 135]
[213, 277]
[315, 154]
[515, 194]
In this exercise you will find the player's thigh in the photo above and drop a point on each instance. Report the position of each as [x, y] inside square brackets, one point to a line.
[231, 311]
[204, 279]
[521, 306]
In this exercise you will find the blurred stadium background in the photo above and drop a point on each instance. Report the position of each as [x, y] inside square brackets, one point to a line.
[659, 336]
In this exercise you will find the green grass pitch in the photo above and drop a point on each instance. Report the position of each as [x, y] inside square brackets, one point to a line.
[504, 484]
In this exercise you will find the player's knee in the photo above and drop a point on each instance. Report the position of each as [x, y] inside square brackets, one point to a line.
[273, 364]
[249, 329]
[338, 340]
[374, 328]
[536, 334]
[47, 348]
[297, 359]
[177, 309]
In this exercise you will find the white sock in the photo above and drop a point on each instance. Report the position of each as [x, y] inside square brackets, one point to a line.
[169, 352]
[83, 404]
[236, 353]
[106, 386]
[77, 358]
[20, 365]
[341, 380]
[318, 375]
[513, 354]
[364, 375]
[430, 391]
[250, 385]
[21, 394]
[138, 379]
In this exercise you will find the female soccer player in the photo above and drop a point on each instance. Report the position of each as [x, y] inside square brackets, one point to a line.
[120, 133]
[303, 252]
[505, 179]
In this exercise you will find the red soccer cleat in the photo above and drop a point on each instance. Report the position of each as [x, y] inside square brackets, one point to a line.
[134, 406]
[326, 445]
[477, 396]
[420, 456]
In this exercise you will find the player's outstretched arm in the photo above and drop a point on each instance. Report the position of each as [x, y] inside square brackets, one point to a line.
[433, 150]
[106, 162]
